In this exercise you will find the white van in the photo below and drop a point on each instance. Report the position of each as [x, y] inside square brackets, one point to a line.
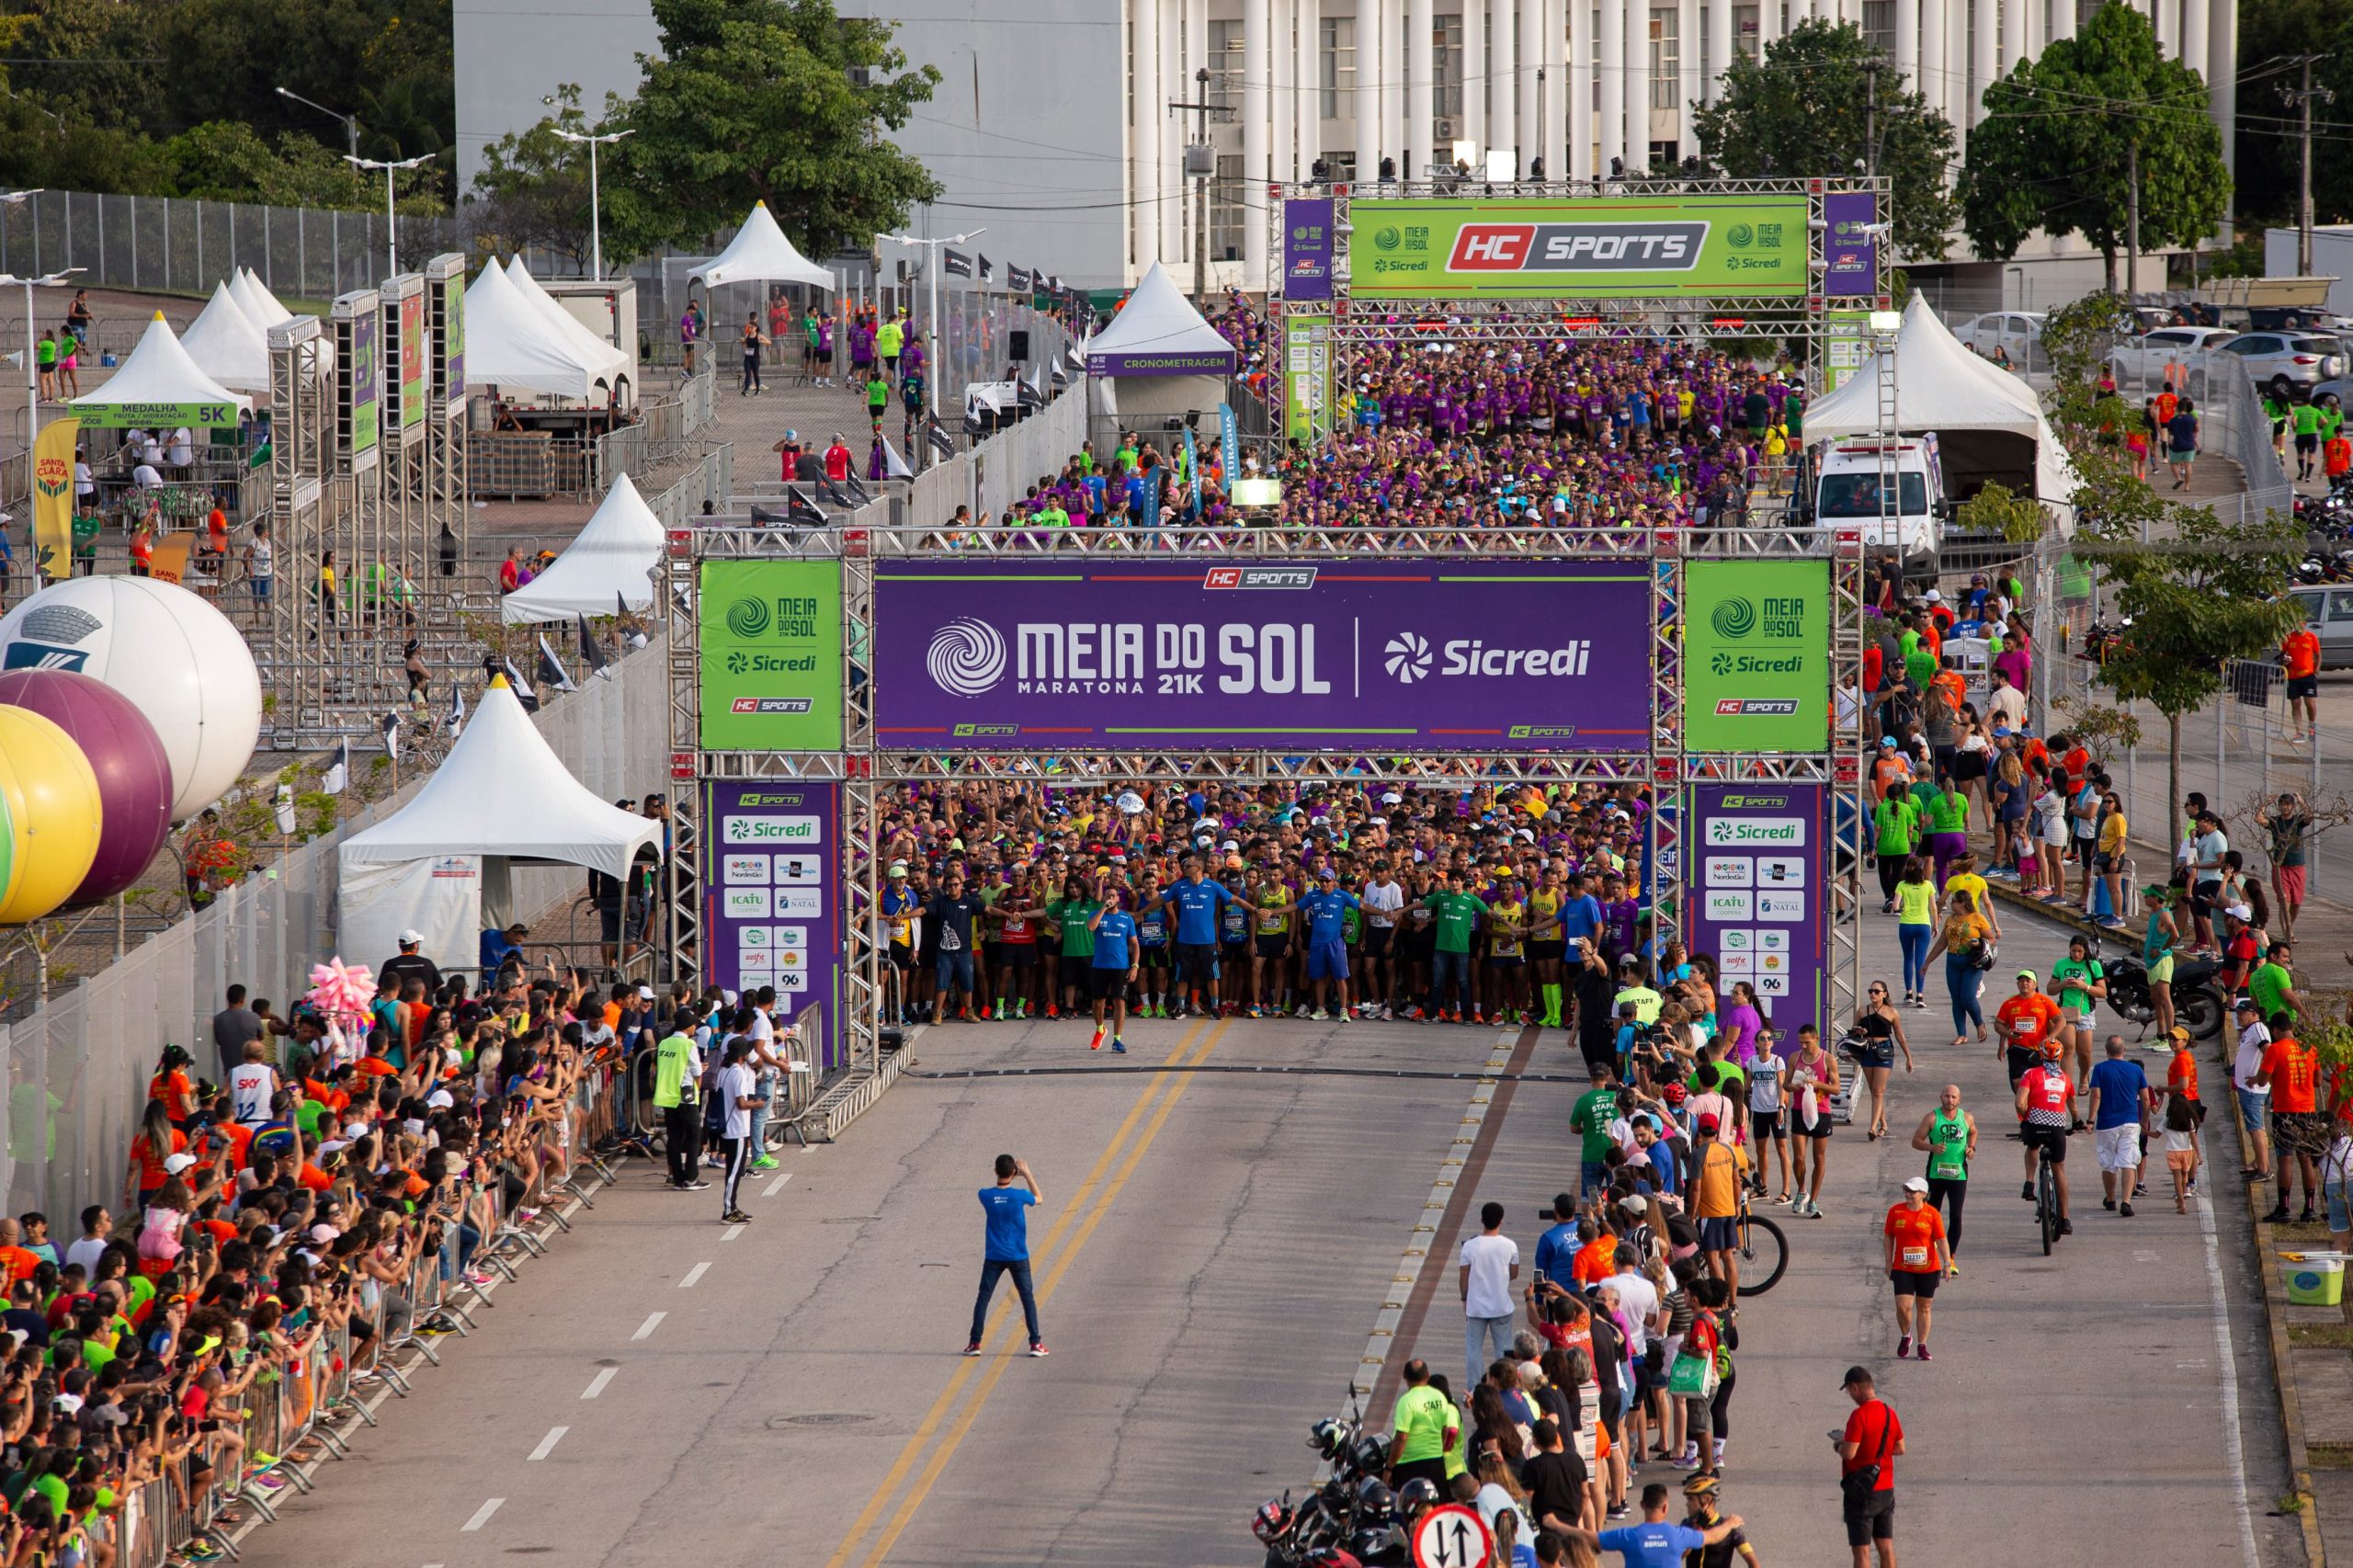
[1846, 492]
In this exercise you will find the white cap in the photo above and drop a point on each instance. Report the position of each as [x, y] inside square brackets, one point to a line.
[1915, 1184]
[440, 1100]
[175, 1164]
[1934, 597]
[410, 938]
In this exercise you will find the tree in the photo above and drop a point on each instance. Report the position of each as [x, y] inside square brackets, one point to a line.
[781, 101]
[533, 185]
[221, 160]
[1807, 111]
[2061, 132]
[2204, 591]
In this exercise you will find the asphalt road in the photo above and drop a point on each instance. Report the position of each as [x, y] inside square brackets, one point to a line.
[1214, 1250]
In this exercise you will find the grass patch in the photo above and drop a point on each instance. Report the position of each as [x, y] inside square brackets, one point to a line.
[2327, 1335]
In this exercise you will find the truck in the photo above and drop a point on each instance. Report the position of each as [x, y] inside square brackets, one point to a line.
[1841, 485]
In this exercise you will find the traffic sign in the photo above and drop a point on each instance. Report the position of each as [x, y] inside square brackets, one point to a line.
[1451, 1536]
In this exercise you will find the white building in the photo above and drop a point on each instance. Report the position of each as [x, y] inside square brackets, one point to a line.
[1021, 127]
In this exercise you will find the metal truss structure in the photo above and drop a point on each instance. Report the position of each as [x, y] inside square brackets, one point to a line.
[868, 775]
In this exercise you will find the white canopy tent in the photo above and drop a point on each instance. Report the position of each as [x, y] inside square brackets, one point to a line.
[612, 555]
[760, 253]
[510, 343]
[264, 310]
[159, 385]
[501, 798]
[1988, 423]
[614, 362]
[227, 345]
[1157, 356]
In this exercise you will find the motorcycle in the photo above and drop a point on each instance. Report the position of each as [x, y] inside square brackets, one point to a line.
[2199, 1005]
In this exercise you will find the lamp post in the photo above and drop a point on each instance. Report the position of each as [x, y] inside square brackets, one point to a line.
[931, 387]
[392, 220]
[596, 219]
[350, 122]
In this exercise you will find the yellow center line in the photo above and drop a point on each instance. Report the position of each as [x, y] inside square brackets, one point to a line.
[946, 1451]
[1005, 1306]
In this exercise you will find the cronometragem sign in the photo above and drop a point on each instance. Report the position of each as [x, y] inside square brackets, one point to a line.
[1382, 654]
[1609, 247]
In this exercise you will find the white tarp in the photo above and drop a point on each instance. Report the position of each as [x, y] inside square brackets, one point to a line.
[227, 345]
[439, 898]
[613, 366]
[760, 253]
[1940, 386]
[510, 343]
[159, 373]
[612, 555]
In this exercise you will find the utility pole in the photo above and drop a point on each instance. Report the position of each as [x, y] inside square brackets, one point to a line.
[2131, 216]
[2302, 97]
[1202, 109]
[1870, 118]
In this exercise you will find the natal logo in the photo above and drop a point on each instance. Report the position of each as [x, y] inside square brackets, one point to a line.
[1408, 658]
[967, 657]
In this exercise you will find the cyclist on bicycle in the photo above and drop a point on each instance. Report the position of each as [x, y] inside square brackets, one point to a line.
[2026, 1023]
[2046, 1115]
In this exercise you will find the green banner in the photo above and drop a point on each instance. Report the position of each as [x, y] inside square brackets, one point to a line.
[1307, 376]
[772, 647]
[161, 416]
[1609, 248]
[1757, 666]
[1846, 345]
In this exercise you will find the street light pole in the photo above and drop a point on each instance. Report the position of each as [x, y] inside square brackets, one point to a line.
[595, 218]
[931, 387]
[392, 217]
[350, 122]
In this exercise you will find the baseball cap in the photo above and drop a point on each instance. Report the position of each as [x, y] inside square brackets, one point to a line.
[1708, 1124]
[2027, 975]
[175, 1164]
[1855, 1375]
[898, 867]
[1887, 742]
[411, 939]
[1632, 1205]
[440, 1100]
[1915, 1184]
[2244, 1005]
[645, 993]
[1934, 598]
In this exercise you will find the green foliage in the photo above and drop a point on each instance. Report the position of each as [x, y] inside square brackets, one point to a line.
[533, 187]
[752, 100]
[1803, 112]
[222, 161]
[1995, 510]
[2052, 150]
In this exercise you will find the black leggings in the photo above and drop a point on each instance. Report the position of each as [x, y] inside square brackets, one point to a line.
[1949, 1196]
[1720, 1408]
[1891, 871]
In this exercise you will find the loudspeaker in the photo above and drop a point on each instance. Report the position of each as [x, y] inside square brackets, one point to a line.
[1020, 343]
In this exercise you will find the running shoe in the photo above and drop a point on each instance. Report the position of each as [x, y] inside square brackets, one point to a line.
[1321, 1017]
[765, 1162]
[1097, 1043]
[1924, 1355]
[1037, 1348]
[973, 1349]
[1300, 1011]
[1118, 1046]
[1255, 1011]
[1904, 1348]
[734, 1217]
[1385, 1013]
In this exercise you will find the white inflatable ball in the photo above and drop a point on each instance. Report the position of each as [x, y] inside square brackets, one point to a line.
[177, 658]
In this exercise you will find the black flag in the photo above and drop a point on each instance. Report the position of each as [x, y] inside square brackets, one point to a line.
[988, 269]
[457, 722]
[1027, 394]
[954, 264]
[941, 441]
[591, 652]
[339, 773]
[799, 509]
[894, 465]
[551, 671]
[1017, 279]
[632, 630]
[389, 726]
[523, 692]
[1060, 378]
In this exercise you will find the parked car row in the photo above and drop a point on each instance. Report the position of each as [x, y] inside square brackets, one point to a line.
[2286, 364]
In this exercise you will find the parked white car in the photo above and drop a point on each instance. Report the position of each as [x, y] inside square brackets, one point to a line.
[2148, 361]
[2288, 364]
[2018, 334]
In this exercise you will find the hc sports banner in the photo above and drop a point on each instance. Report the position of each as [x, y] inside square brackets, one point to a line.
[1610, 246]
[1849, 252]
[53, 501]
[1756, 666]
[1756, 891]
[1307, 248]
[1379, 655]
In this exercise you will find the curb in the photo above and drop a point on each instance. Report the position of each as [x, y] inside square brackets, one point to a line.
[2274, 1298]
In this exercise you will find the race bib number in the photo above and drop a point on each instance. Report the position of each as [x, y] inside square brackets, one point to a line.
[1916, 1257]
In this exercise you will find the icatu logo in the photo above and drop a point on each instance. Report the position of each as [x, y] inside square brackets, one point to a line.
[966, 657]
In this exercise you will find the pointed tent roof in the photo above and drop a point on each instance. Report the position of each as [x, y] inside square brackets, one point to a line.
[253, 297]
[612, 364]
[159, 385]
[502, 791]
[228, 346]
[1158, 333]
[613, 553]
[760, 253]
[510, 344]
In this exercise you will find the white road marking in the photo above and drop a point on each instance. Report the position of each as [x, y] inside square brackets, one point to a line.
[597, 1384]
[731, 1233]
[2144, 1256]
[2234, 1440]
[482, 1516]
[652, 1320]
[547, 1444]
[693, 1275]
[777, 1186]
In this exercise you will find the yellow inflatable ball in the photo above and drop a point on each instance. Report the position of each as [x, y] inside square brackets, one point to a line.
[54, 813]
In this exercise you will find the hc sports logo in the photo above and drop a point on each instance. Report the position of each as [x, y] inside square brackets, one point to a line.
[1576, 247]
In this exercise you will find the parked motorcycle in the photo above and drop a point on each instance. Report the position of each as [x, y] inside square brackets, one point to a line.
[2199, 1005]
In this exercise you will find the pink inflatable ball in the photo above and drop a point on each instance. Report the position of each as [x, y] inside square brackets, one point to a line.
[133, 772]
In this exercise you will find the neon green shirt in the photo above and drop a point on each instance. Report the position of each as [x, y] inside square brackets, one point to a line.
[1423, 1414]
[1071, 915]
[1457, 916]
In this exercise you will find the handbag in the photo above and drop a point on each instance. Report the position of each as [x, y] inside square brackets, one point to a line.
[1694, 1376]
[1856, 1485]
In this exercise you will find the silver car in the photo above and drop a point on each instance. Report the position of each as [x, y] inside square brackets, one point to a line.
[2178, 355]
[2329, 612]
[2288, 364]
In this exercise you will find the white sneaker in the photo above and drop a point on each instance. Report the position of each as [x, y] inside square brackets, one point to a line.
[1347, 1018]
[1300, 1011]
[1320, 1015]
[1385, 1013]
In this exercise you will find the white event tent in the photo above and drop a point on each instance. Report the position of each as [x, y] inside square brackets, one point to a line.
[1988, 423]
[613, 554]
[510, 343]
[227, 345]
[614, 366]
[760, 253]
[500, 800]
[159, 385]
[1158, 356]
[264, 311]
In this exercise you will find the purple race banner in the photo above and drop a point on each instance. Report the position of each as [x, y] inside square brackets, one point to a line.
[1307, 248]
[1756, 894]
[772, 903]
[1850, 256]
[1373, 656]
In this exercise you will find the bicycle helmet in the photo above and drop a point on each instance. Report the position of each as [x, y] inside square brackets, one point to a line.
[1416, 1496]
[1674, 1093]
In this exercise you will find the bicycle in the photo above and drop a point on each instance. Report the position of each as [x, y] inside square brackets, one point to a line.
[1756, 1237]
[2047, 1217]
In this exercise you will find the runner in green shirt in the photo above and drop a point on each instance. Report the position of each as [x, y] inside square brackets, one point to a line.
[1456, 914]
[2307, 422]
[1422, 1421]
[2078, 981]
[1071, 914]
[1947, 1135]
[1591, 1117]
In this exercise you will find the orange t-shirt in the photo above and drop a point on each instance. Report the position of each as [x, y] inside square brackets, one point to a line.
[314, 1180]
[2029, 1020]
[1916, 1233]
[1590, 1266]
[176, 1093]
[2295, 1075]
[151, 1169]
[2182, 1076]
[2299, 652]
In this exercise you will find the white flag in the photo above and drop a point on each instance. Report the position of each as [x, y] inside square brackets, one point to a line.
[286, 809]
[339, 773]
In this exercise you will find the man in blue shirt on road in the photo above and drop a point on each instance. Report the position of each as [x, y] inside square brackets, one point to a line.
[1196, 900]
[1114, 969]
[2121, 1099]
[1326, 910]
[1655, 1544]
[1007, 1248]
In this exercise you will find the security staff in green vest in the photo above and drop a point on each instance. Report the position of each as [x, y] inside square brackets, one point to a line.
[1947, 1135]
[678, 1068]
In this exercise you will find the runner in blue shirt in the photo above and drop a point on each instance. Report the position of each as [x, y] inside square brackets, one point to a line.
[1152, 947]
[1326, 911]
[1580, 912]
[1196, 900]
[1007, 1248]
[1655, 1542]
[1115, 964]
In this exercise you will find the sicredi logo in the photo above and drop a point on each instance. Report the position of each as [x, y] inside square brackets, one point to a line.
[1760, 832]
[770, 830]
